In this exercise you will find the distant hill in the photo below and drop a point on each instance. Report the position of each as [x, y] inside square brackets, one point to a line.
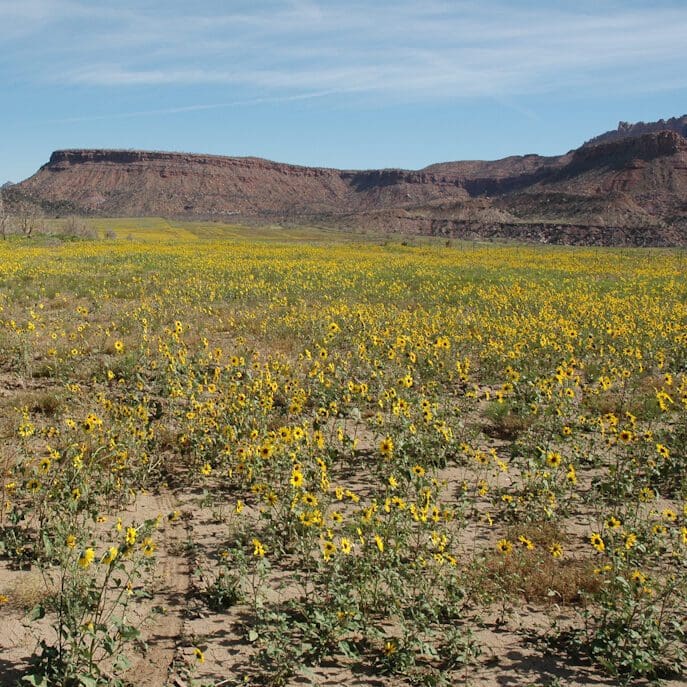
[627, 130]
[628, 186]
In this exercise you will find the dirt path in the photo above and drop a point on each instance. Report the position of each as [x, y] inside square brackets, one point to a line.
[164, 629]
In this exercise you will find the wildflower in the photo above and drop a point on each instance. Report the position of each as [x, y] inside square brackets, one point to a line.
[527, 543]
[597, 542]
[504, 547]
[328, 550]
[266, 450]
[346, 545]
[110, 556]
[553, 458]
[418, 470]
[386, 447]
[669, 514]
[148, 546]
[556, 550]
[646, 494]
[70, 541]
[200, 656]
[258, 548]
[638, 577]
[206, 469]
[119, 346]
[296, 478]
[86, 558]
[131, 534]
[380, 543]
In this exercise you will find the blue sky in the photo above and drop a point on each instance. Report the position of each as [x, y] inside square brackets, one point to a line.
[347, 84]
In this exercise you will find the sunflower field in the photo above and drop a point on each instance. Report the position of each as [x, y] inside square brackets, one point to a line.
[227, 461]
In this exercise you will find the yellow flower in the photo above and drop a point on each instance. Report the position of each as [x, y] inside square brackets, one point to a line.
[70, 541]
[258, 548]
[148, 546]
[86, 558]
[200, 656]
[553, 458]
[597, 542]
[527, 543]
[296, 478]
[638, 577]
[131, 534]
[503, 546]
[380, 543]
[556, 550]
[328, 550]
[110, 556]
[386, 447]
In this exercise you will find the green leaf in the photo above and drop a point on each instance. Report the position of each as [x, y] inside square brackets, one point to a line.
[88, 681]
[122, 662]
[347, 649]
[128, 632]
[252, 635]
[37, 612]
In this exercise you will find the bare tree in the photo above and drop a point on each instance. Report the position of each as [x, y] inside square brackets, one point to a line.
[4, 216]
[28, 216]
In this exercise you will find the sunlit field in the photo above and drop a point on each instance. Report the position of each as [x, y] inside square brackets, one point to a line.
[309, 459]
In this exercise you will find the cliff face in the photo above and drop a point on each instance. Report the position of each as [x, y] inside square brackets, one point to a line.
[627, 183]
[124, 182]
[625, 130]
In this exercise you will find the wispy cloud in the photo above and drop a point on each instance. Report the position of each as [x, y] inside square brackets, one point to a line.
[196, 108]
[404, 49]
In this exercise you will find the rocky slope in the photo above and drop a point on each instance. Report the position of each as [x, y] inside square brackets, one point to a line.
[628, 130]
[627, 189]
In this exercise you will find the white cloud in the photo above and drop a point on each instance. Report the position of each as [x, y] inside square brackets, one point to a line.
[405, 49]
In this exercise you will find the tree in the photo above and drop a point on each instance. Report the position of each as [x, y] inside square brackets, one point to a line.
[28, 216]
[4, 216]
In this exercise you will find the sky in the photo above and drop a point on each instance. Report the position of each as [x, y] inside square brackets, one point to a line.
[336, 83]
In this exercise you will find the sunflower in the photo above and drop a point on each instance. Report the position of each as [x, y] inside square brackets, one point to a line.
[553, 459]
[258, 548]
[597, 542]
[504, 547]
[328, 550]
[148, 547]
[86, 558]
[556, 550]
[386, 447]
